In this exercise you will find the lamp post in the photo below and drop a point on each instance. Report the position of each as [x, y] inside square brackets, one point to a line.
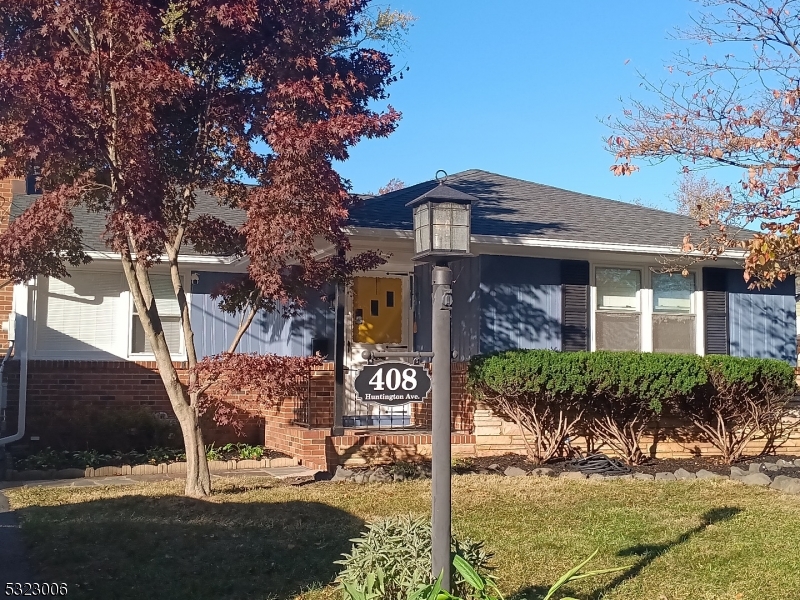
[441, 233]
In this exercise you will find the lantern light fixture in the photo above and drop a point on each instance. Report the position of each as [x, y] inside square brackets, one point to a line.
[442, 219]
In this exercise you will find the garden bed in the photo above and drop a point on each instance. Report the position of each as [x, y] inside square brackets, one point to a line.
[48, 459]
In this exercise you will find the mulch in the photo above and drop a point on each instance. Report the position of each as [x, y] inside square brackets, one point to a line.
[651, 466]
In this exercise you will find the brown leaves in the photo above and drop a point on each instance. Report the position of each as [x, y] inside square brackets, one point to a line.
[739, 109]
[623, 169]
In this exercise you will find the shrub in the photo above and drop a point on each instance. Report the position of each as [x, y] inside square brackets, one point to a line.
[537, 390]
[627, 390]
[80, 427]
[746, 397]
[393, 559]
[614, 396]
[478, 586]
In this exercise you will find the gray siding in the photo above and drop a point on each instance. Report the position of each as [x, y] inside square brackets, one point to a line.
[762, 323]
[422, 308]
[270, 333]
[520, 303]
[466, 307]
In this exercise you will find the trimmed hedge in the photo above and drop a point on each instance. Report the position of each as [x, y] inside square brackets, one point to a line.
[650, 377]
[619, 393]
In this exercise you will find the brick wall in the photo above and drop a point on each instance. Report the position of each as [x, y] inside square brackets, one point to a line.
[461, 406]
[74, 385]
[495, 435]
[285, 426]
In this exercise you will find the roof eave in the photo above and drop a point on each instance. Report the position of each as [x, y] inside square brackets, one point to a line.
[537, 242]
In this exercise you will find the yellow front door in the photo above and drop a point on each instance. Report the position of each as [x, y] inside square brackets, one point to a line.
[378, 310]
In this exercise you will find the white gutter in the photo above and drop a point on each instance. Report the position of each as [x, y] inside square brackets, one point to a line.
[18, 336]
[536, 242]
[188, 258]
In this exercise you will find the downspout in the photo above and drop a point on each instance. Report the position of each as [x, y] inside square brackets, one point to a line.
[4, 390]
[22, 347]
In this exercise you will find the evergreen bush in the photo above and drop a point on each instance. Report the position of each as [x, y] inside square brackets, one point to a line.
[614, 396]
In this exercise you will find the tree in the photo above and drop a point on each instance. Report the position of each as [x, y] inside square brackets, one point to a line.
[392, 185]
[700, 197]
[736, 105]
[128, 108]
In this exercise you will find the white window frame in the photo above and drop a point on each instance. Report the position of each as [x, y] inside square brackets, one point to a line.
[139, 356]
[641, 300]
[645, 302]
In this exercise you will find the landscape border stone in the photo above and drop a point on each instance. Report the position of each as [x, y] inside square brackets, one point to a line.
[175, 468]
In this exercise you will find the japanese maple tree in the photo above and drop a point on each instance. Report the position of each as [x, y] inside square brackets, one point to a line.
[129, 108]
[731, 101]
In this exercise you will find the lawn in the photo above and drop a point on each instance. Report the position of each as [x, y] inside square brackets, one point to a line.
[256, 540]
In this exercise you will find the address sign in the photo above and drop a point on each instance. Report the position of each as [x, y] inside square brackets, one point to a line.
[393, 383]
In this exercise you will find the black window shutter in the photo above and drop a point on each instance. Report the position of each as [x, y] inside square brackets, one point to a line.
[575, 305]
[715, 294]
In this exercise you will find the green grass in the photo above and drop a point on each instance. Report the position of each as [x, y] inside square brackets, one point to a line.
[257, 540]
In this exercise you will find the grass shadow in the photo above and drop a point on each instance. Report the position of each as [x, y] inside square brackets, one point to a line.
[172, 547]
[647, 553]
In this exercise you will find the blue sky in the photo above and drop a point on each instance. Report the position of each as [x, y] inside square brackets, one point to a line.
[518, 87]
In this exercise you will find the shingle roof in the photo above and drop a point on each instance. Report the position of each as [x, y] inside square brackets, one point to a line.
[93, 224]
[511, 207]
[505, 207]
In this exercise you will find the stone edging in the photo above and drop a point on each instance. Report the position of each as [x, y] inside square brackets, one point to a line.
[176, 468]
[757, 474]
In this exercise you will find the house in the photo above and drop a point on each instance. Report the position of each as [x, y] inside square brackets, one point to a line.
[549, 268]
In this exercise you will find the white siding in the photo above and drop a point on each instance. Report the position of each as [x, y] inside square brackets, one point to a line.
[82, 314]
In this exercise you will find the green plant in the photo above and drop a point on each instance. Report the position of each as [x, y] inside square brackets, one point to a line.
[478, 586]
[746, 397]
[614, 396]
[155, 456]
[393, 558]
[248, 452]
[538, 390]
[213, 453]
[627, 390]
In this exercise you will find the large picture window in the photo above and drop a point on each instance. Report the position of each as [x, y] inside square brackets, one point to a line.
[168, 310]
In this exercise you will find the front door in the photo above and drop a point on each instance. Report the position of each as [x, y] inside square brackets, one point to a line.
[380, 320]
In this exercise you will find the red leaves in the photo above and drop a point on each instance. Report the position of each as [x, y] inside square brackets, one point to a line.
[41, 240]
[210, 235]
[132, 108]
[268, 378]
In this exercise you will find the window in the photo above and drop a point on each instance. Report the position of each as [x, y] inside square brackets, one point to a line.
[673, 321]
[80, 314]
[672, 292]
[618, 289]
[617, 319]
[168, 310]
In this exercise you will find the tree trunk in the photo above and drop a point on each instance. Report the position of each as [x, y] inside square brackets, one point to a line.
[198, 478]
